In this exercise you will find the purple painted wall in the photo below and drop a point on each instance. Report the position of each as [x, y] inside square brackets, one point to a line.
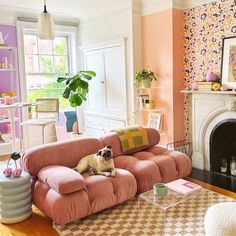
[10, 41]
[5, 76]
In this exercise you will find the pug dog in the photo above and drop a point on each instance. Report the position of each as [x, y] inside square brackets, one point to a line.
[100, 163]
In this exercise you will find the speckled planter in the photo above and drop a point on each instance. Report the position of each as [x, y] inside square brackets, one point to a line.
[15, 198]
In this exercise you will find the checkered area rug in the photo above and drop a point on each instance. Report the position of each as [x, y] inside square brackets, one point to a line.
[127, 219]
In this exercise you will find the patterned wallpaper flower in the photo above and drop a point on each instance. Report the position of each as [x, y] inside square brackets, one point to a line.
[204, 28]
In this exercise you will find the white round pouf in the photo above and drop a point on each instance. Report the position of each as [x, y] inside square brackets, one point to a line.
[15, 198]
[220, 219]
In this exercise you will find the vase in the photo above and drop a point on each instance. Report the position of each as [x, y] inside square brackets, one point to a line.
[146, 83]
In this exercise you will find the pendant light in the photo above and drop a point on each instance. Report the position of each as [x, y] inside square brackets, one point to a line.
[46, 26]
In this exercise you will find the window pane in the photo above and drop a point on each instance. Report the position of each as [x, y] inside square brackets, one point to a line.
[61, 64]
[31, 64]
[45, 86]
[46, 64]
[60, 46]
[30, 42]
[45, 47]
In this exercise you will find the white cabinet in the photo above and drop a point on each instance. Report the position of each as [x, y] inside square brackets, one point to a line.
[107, 106]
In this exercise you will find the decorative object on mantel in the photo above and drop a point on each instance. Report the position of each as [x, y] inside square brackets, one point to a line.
[228, 63]
[46, 26]
[194, 85]
[216, 86]
[212, 77]
[145, 77]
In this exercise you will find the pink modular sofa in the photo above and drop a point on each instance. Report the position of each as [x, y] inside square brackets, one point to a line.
[64, 195]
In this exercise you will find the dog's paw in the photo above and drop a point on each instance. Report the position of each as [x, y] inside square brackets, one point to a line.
[92, 172]
[108, 174]
[113, 173]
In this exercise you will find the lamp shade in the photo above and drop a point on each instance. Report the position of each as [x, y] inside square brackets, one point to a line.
[46, 26]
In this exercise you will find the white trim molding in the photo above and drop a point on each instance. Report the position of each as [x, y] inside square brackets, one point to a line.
[144, 7]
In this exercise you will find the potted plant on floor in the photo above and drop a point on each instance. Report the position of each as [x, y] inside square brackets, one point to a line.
[77, 86]
[145, 77]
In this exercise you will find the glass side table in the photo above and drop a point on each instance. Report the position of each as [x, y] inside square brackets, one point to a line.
[148, 202]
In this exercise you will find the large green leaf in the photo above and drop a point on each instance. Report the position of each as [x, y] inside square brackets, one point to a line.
[66, 93]
[61, 79]
[89, 72]
[75, 100]
[87, 77]
[83, 84]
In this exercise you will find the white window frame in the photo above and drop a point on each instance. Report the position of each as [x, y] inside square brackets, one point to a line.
[70, 31]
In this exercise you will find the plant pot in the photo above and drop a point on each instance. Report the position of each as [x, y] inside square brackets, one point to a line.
[146, 83]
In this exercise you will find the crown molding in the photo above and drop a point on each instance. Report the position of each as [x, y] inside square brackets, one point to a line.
[145, 7]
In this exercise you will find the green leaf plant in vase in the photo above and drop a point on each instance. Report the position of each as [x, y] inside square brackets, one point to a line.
[77, 86]
[145, 77]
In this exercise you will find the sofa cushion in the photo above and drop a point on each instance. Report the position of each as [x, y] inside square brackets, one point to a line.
[182, 161]
[62, 179]
[145, 172]
[105, 191]
[66, 153]
[113, 140]
[165, 164]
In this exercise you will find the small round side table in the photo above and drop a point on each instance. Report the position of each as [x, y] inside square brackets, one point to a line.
[15, 198]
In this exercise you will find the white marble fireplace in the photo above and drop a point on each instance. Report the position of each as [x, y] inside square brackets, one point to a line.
[208, 110]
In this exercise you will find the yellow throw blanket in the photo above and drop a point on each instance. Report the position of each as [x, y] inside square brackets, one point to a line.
[132, 137]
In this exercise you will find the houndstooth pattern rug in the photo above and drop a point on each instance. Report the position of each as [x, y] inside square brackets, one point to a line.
[186, 219]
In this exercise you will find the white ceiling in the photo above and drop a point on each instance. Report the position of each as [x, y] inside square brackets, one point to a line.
[80, 9]
[83, 9]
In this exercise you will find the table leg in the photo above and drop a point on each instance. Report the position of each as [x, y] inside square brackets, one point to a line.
[11, 113]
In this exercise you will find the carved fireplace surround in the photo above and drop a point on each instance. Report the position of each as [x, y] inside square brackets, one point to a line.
[207, 110]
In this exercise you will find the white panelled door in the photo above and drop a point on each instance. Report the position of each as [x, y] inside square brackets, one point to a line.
[115, 88]
[96, 96]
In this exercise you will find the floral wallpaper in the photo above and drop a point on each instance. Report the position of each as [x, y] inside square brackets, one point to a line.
[204, 28]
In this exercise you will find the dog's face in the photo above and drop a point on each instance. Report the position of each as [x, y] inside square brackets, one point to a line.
[106, 153]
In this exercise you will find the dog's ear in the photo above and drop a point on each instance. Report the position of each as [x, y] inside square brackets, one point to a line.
[99, 153]
[109, 146]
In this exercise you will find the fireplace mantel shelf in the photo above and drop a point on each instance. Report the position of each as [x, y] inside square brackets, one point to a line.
[208, 92]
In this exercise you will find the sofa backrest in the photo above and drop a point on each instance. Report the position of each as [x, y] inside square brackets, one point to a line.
[113, 139]
[62, 153]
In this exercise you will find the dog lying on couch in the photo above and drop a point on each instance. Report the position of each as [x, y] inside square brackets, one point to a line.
[100, 163]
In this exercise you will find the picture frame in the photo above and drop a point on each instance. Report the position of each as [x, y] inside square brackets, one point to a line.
[155, 120]
[228, 62]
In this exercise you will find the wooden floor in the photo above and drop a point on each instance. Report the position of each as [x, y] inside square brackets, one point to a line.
[38, 224]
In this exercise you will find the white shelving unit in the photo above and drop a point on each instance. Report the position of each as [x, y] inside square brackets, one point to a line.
[10, 74]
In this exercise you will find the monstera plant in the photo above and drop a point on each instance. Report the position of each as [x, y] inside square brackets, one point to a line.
[77, 86]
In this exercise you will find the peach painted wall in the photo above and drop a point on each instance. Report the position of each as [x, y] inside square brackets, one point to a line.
[178, 81]
[162, 49]
[157, 55]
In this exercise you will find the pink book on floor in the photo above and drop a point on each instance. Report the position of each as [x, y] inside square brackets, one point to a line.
[183, 186]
